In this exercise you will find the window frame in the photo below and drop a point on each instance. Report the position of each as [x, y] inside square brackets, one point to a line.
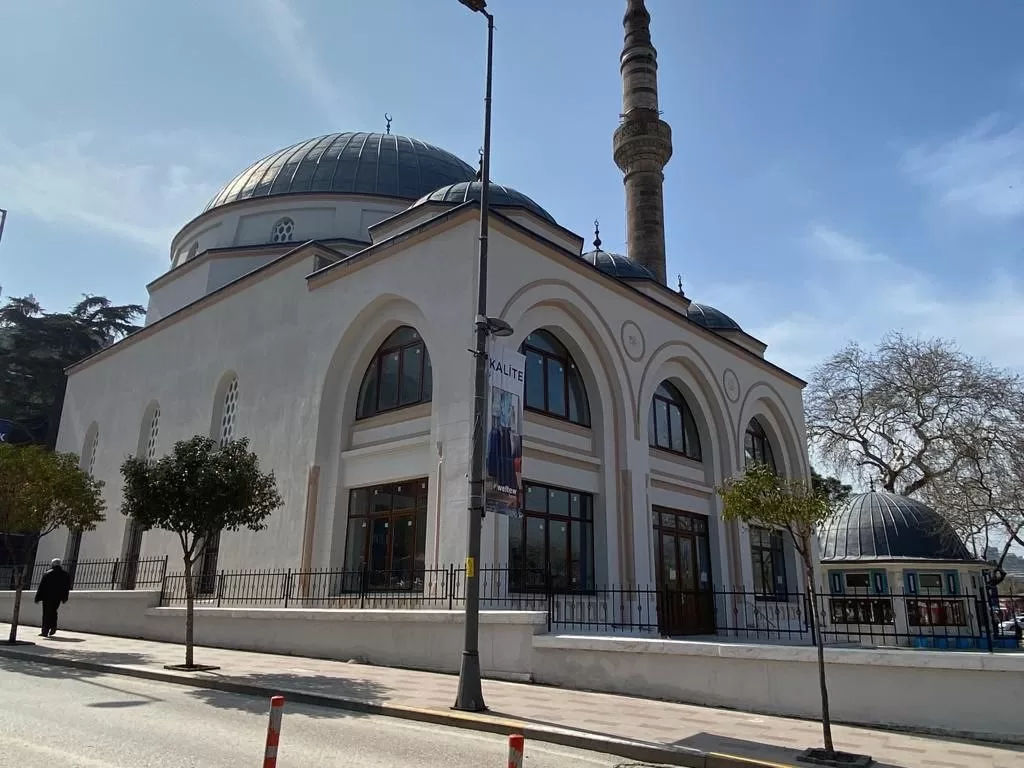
[571, 371]
[358, 576]
[758, 551]
[756, 436]
[673, 398]
[375, 367]
[284, 221]
[520, 581]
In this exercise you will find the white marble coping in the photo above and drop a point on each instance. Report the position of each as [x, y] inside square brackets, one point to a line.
[894, 657]
[522, 618]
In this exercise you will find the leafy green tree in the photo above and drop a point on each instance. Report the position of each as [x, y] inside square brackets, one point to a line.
[762, 498]
[834, 489]
[196, 491]
[40, 492]
[36, 346]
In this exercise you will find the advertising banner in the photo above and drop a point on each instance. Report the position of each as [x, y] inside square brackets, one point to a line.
[503, 481]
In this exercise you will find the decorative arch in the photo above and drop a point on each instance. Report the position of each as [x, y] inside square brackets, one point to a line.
[763, 402]
[149, 431]
[87, 463]
[399, 375]
[685, 368]
[757, 447]
[338, 397]
[570, 316]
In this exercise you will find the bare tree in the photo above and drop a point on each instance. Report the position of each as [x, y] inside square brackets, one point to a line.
[910, 412]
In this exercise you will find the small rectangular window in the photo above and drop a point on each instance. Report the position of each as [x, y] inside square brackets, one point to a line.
[858, 580]
[930, 581]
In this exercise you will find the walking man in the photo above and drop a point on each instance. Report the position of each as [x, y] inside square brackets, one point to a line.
[53, 590]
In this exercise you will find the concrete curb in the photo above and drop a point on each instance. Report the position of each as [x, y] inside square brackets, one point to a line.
[640, 751]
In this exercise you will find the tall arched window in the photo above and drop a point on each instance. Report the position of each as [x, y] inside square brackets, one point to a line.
[228, 411]
[399, 375]
[553, 382]
[672, 427]
[756, 448]
[154, 432]
[73, 546]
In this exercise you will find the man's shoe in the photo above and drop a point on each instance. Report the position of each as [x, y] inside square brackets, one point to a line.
[53, 632]
[42, 634]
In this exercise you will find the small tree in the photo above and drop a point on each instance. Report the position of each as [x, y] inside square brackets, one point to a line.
[197, 491]
[762, 498]
[41, 491]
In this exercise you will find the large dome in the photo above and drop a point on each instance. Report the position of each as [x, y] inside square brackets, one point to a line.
[470, 190]
[352, 163]
[883, 526]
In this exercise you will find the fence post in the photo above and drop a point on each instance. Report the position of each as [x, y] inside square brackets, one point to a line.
[163, 573]
[548, 587]
[273, 732]
[287, 587]
[113, 573]
[451, 586]
[516, 745]
[220, 586]
[362, 585]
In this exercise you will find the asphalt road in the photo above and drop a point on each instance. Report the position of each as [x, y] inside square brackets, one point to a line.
[56, 716]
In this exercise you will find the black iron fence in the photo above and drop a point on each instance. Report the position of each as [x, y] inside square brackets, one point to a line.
[913, 620]
[95, 574]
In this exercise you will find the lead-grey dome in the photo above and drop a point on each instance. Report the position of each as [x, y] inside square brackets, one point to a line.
[348, 163]
[464, 191]
[617, 265]
[879, 526]
[711, 318]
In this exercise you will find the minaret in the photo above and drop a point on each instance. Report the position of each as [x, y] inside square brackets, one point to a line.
[643, 143]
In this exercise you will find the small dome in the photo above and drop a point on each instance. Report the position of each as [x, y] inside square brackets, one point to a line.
[470, 190]
[711, 318]
[884, 526]
[617, 265]
[348, 163]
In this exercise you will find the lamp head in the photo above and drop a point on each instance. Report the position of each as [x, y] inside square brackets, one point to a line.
[477, 6]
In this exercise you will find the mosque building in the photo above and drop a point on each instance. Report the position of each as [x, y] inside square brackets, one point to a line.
[322, 306]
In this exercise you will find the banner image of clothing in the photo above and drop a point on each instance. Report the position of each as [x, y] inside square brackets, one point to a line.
[503, 484]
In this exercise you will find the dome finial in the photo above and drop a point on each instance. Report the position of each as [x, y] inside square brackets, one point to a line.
[387, 128]
[871, 482]
[679, 282]
[597, 235]
[480, 167]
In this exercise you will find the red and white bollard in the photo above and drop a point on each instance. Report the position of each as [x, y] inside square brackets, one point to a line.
[273, 732]
[516, 744]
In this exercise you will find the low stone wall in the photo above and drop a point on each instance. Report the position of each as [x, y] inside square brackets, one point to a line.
[949, 692]
[417, 639]
[106, 612]
[420, 639]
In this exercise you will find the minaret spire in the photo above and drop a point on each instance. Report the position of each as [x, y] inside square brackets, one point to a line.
[642, 142]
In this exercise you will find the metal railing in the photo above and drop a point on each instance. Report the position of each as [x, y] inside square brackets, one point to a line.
[917, 620]
[114, 573]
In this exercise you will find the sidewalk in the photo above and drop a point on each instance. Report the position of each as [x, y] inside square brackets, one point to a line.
[640, 729]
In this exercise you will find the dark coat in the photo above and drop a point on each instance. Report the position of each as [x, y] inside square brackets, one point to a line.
[54, 586]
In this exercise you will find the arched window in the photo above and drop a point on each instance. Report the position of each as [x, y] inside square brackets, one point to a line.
[756, 448]
[282, 230]
[92, 453]
[398, 376]
[154, 431]
[227, 417]
[672, 427]
[553, 382]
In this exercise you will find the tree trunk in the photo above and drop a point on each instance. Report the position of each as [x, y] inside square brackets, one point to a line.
[826, 717]
[190, 597]
[19, 588]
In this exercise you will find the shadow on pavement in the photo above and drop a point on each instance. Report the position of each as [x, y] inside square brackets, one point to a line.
[712, 742]
[37, 665]
[364, 691]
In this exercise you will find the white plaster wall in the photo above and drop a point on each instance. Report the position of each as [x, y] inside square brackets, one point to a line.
[175, 294]
[300, 351]
[973, 693]
[110, 612]
[225, 268]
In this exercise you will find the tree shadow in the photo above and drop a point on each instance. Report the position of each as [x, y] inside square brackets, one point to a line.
[314, 695]
[47, 662]
[754, 750]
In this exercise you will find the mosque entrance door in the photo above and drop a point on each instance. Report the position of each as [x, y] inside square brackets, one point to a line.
[686, 603]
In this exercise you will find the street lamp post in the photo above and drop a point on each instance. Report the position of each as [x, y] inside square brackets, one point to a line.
[470, 697]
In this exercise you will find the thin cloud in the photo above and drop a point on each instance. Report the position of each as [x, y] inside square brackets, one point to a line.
[856, 300]
[130, 191]
[294, 51]
[981, 170]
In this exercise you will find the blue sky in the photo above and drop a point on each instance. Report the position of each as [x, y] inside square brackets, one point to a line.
[841, 168]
